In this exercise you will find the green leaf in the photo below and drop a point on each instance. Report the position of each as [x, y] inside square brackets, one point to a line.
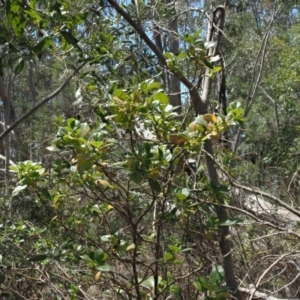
[135, 177]
[104, 268]
[216, 69]
[182, 55]
[45, 193]
[168, 256]
[42, 45]
[18, 189]
[99, 256]
[83, 164]
[153, 85]
[19, 67]
[208, 64]
[175, 289]
[154, 185]
[183, 194]
[18, 24]
[196, 33]
[231, 222]
[34, 15]
[53, 148]
[202, 284]
[39, 257]
[149, 282]
[162, 98]
[217, 275]
[85, 129]
[169, 55]
[69, 37]
[8, 7]
[86, 257]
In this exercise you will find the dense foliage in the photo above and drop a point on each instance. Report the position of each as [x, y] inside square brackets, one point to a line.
[149, 150]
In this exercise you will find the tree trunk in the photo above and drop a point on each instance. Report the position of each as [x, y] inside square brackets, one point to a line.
[173, 80]
[224, 242]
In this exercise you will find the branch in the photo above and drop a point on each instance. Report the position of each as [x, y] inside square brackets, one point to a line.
[200, 106]
[259, 294]
[253, 86]
[267, 195]
[267, 270]
[42, 102]
[255, 191]
[4, 158]
[275, 106]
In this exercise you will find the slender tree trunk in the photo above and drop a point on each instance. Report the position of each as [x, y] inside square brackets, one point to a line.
[5, 96]
[33, 97]
[224, 241]
[173, 80]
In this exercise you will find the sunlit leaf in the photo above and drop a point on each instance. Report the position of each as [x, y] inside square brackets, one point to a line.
[18, 189]
[168, 256]
[209, 44]
[97, 276]
[217, 275]
[130, 247]
[104, 268]
[176, 139]
[183, 194]
[103, 182]
[161, 97]
[210, 118]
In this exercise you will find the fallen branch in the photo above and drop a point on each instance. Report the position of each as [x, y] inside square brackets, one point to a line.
[256, 294]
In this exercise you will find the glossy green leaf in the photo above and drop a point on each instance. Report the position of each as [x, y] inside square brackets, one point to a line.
[19, 67]
[104, 268]
[35, 17]
[42, 45]
[168, 256]
[183, 194]
[69, 37]
[169, 55]
[39, 257]
[161, 97]
[154, 185]
[18, 189]
[217, 275]
[99, 256]
[231, 222]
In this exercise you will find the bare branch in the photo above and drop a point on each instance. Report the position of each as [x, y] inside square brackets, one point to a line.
[42, 102]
